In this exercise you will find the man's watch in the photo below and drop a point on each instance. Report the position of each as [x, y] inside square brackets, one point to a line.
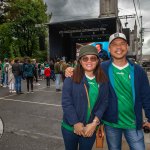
[97, 122]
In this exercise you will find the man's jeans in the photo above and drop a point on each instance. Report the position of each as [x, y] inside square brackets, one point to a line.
[2, 78]
[72, 141]
[6, 79]
[18, 84]
[134, 138]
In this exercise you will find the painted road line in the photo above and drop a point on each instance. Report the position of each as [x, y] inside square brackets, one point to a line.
[38, 103]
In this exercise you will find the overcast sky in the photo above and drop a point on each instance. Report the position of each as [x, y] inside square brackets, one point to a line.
[64, 10]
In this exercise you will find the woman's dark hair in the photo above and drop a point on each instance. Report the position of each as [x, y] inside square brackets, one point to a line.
[78, 73]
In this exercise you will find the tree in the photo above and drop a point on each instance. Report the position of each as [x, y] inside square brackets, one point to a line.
[22, 18]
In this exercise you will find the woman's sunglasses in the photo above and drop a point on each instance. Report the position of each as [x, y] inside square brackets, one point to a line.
[92, 59]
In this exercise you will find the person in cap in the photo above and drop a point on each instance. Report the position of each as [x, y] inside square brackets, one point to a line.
[84, 100]
[129, 95]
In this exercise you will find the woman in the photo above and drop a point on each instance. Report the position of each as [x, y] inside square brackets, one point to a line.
[29, 74]
[84, 100]
[11, 78]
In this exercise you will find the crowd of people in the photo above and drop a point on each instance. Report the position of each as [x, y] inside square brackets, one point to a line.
[13, 71]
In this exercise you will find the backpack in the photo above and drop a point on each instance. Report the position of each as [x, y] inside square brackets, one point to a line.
[28, 70]
[57, 68]
[47, 72]
[6, 68]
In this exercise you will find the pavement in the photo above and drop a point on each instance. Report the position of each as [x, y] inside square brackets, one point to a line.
[32, 121]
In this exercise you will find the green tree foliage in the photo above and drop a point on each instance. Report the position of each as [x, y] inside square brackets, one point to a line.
[5, 40]
[24, 26]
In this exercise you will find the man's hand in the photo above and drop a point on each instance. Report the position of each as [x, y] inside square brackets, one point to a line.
[78, 128]
[89, 129]
[69, 72]
[146, 124]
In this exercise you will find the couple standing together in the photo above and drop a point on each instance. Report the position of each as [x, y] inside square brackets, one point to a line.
[113, 93]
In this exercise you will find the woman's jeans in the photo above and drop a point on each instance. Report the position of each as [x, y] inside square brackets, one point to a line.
[29, 80]
[6, 79]
[134, 138]
[73, 141]
[48, 81]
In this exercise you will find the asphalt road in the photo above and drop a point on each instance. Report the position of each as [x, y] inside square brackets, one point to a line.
[31, 121]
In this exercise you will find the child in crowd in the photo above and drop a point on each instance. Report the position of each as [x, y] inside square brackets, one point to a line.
[47, 73]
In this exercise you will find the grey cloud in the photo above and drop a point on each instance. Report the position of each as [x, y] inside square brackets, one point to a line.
[56, 4]
[64, 10]
[145, 5]
[148, 43]
[72, 9]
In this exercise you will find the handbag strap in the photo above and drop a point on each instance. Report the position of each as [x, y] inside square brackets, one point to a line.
[89, 105]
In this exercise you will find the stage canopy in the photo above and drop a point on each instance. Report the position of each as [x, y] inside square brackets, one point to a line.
[63, 36]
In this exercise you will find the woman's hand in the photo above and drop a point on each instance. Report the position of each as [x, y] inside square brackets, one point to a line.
[78, 128]
[89, 129]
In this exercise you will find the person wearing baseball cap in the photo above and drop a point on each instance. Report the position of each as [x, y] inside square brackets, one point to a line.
[129, 95]
[118, 47]
[117, 35]
[84, 101]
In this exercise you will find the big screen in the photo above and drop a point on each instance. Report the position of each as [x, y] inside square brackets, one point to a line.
[104, 45]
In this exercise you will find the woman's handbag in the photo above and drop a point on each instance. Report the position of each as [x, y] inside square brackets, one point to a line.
[100, 137]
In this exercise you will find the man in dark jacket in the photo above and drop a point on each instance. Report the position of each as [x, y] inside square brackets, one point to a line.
[129, 93]
[17, 71]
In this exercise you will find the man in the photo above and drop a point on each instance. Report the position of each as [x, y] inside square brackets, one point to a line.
[129, 93]
[57, 75]
[17, 71]
[102, 53]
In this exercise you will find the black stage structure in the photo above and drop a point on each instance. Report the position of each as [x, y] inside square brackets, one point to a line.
[63, 36]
